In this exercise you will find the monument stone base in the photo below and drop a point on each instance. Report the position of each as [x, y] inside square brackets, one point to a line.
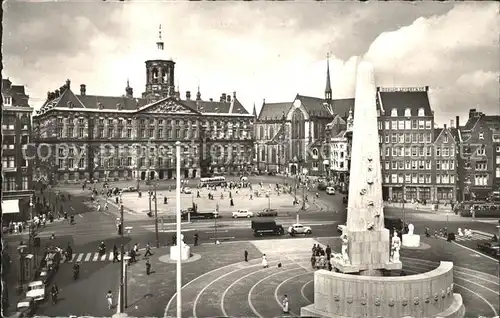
[185, 252]
[429, 294]
[411, 240]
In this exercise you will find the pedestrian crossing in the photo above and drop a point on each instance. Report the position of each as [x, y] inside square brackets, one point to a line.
[90, 257]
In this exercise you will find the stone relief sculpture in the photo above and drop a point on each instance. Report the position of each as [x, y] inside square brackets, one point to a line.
[396, 245]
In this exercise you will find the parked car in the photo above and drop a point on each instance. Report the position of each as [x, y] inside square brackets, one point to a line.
[492, 249]
[322, 186]
[330, 190]
[25, 308]
[242, 213]
[186, 190]
[389, 223]
[299, 229]
[268, 212]
[189, 213]
[36, 290]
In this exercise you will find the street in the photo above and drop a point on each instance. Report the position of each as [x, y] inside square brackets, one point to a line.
[99, 274]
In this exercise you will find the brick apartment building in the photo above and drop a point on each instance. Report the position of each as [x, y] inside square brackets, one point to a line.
[17, 178]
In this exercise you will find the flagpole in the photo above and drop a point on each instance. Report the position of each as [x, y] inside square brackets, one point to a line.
[178, 228]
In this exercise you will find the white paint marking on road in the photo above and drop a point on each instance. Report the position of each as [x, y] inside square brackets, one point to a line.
[214, 232]
[106, 212]
[173, 231]
[222, 238]
[80, 256]
[103, 258]
[72, 208]
[80, 216]
[73, 258]
[96, 256]
[111, 256]
[87, 258]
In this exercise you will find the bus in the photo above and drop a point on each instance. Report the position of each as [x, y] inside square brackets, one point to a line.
[481, 209]
[213, 181]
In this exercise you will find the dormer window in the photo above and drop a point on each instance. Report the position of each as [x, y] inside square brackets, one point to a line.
[421, 112]
[481, 135]
[7, 100]
[100, 106]
[69, 104]
[408, 112]
[315, 153]
[394, 112]
[119, 106]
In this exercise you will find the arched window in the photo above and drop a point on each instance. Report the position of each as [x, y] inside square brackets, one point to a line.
[261, 132]
[408, 112]
[315, 152]
[155, 74]
[271, 133]
[298, 125]
[394, 112]
[263, 155]
[421, 112]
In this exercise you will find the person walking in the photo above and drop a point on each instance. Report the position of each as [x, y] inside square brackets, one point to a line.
[115, 254]
[285, 305]
[148, 250]
[195, 239]
[264, 261]
[246, 256]
[109, 297]
[148, 267]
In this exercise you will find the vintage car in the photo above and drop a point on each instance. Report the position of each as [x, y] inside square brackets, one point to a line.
[299, 229]
[25, 308]
[36, 290]
[492, 249]
[268, 212]
[242, 213]
[129, 189]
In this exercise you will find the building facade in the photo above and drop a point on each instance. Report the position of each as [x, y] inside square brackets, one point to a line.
[407, 135]
[128, 138]
[445, 152]
[339, 134]
[479, 139]
[17, 189]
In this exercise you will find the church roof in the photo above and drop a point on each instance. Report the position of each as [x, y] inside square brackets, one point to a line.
[342, 106]
[274, 111]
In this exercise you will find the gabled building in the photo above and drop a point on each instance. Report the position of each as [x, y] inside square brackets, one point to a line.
[446, 166]
[479, 137]
[339, 134]
[129, 138]
[17, 179]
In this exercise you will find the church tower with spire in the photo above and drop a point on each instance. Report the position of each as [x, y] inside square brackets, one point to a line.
[328, 89]
[160, 74]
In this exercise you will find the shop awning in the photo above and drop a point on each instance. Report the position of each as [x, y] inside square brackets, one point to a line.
[10, 206]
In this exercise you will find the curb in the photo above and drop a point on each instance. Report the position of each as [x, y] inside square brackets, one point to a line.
[483, 233]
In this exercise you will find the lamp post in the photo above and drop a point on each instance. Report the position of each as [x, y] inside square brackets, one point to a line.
[122, 276]
[125, 280]
[152, 194]
[178, 228]
[22, 253]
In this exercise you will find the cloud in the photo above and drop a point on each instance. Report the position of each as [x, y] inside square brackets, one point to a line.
[260, 50]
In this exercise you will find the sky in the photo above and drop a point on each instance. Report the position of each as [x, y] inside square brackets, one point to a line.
[260, 50]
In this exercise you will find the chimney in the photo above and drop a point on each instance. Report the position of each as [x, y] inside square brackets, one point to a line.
[56, 92]
[472, 113]
[444, 126]
[83, 89]
[228, 98]
[234, 95]
[188, 95]
[211, 99]
[451, 123]
[68, 83]
[457, 122]
[223, 97]
[426, 88]
[129, 92]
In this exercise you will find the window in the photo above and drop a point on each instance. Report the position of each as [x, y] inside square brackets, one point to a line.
[481, 180]
[81, 131]
[408, 124]
[401, 125]
[438, 178]
[60, 163]
[408, 164]
[394, 113]
[408, 178]
[315, 152]
[497, 160]
[394, 178]
[414, 178]
[481, 150]
[129, 133]
[394, 125]
[427, 178]
[25, 183]
[315, 165]
[414, 151]
[421, 124]
[394, 165]
[481, 165]
[428, 138]
[101, 132]
[394, 152]
[428, 124]
[386, 138]
[9, 184]
[401, 138]
[438, 151]
[401, 165]
[379, 125]
[407, 138]
[11, 162]
[387, 178]
[414, 137]
[498, 148]
[110, 132]
[414, 164]
[497, 172]
[386, 165]
[394, 138]
[400, 178]
[481, 135]
[408, 112]
[177, 133]
[420, 178]
[438, 165]
[445, 138]
[421, 112]
[160, 133]
[151, 133]
[129, 121]
[427, 165]
[110, 121]
[421, 138]
[81, 163]
[7, 101]
[386, 125]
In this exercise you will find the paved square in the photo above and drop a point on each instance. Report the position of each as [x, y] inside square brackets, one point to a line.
[241, 200]
[285, 246]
